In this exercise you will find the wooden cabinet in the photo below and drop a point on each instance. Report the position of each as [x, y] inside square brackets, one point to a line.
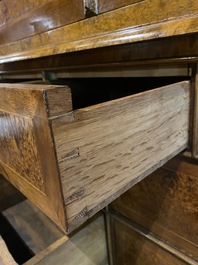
[73, 152]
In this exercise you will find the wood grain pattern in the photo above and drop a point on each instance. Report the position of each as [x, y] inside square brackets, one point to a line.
[11, 9]
[134, 247]
[43, 17]
[105, 6]
[98, 146]
[25, 137]
[158, 19]
[166, 203]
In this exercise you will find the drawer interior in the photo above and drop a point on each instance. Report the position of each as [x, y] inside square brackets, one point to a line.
[90, 91]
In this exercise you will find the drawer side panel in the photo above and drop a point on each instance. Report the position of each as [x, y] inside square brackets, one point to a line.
[105, 149]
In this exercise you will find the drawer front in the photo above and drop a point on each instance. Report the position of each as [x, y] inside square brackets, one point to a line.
[136, 246]
[27, 156]
[78, 161]
[19, 21]
[166, 204]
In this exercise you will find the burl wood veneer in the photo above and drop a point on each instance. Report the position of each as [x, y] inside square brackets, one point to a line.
[71, 163]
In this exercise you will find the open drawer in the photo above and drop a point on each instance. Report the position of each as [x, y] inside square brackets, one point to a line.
[71, 163]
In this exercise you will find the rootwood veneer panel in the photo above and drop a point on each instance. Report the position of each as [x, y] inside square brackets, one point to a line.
[72, 163]
[40, 17]
[27, 157]
[135, 247]
[166, 204]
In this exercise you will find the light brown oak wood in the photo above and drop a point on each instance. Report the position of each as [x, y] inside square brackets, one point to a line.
[72, 163]
[98, 146]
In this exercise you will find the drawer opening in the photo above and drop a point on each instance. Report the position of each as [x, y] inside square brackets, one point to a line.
[90, 91]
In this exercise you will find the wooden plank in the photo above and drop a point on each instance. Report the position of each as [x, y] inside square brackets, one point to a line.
[46, 16]
[5, 256]
[25, 139]
[86, 247]
[158, 19]
[155, 70]
[166, 204]
[116, 144]
[122, 71]
[133, 245]
[33, 227]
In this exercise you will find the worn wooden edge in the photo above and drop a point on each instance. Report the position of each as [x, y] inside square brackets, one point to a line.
[115, 216]
[71, 39]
